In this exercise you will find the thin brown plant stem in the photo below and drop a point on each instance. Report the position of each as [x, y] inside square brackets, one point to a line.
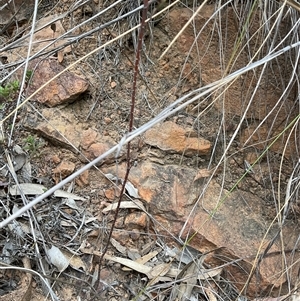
[132, 107]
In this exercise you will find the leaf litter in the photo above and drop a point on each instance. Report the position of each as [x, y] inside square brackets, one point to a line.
[71, 222]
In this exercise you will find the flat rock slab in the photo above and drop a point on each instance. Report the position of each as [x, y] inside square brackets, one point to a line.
[233, 223]
[64, 169]
[168, 189]
[64, 89]
[61, 128]
[169, 136]
[236, 223]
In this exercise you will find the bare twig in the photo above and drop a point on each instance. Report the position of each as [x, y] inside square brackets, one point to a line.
[133, 95]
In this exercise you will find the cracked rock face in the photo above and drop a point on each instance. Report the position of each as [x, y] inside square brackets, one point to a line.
[229, 225]
[64, 89]
[62, 129]
[171, 137]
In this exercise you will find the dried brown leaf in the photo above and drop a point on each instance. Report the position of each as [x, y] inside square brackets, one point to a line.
[60, 56]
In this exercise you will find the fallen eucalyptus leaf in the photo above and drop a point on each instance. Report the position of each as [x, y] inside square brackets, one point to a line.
[118, 246]
[150, 272]
[27, 188]
[58, 259]
[132, 191]
[18, 149]
[125, 205]
[19, 161]
[72, 204]
[187, 254]
[127, 262]
[90, 220]
[147, 247]
[16, 209]
[19, 158]
[68, 195]
[133, 254]
[206, 274]
[143, 259]
[210, 295]
[159, 270]
[26, 171]
[37, 189]
[186, 287]
[26, 229]
[131, 264]
[68, 224]
[74, 260]
[111, 177]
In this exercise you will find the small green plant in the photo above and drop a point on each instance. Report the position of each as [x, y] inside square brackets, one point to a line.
[33, 145]
[29, 74]
[9, 89]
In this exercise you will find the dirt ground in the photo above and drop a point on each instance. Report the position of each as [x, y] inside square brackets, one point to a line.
[105, 109]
